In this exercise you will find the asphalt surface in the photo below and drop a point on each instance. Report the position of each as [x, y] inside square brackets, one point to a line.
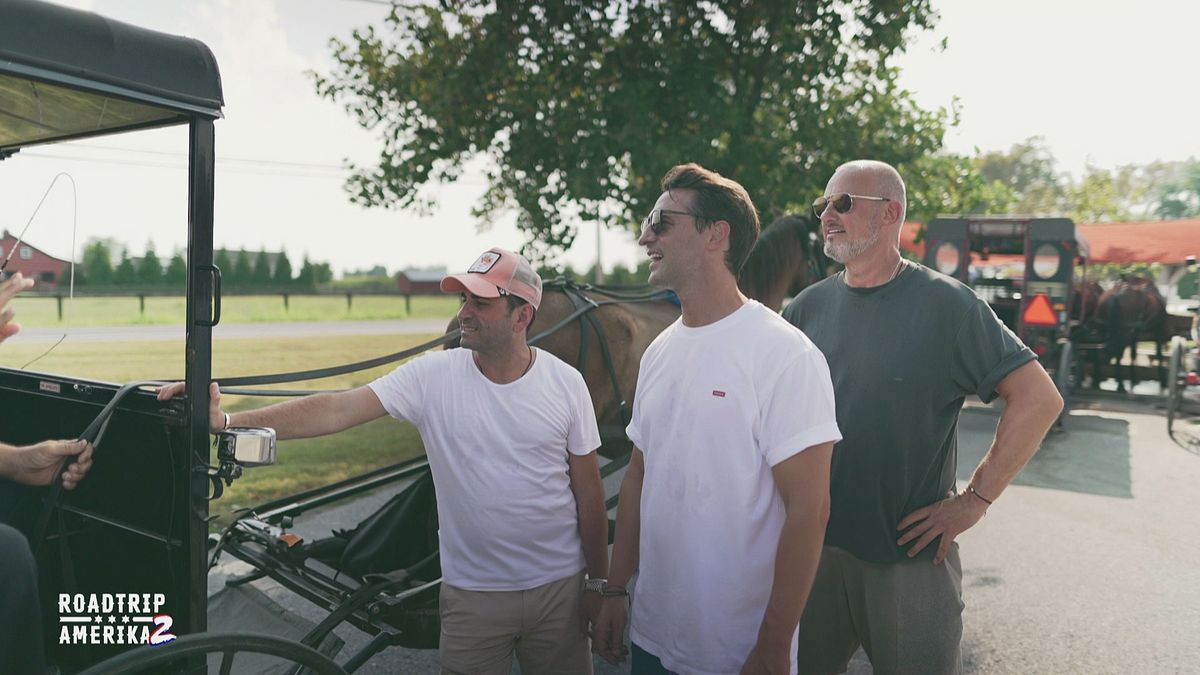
[1088, 563]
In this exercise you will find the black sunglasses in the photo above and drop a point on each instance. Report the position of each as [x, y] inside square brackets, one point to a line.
[841, 202]
[657, 225]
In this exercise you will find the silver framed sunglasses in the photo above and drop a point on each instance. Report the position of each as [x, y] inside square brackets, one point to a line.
[841, 202]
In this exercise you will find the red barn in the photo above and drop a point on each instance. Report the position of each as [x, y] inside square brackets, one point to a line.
[420, 282]
[46, 270]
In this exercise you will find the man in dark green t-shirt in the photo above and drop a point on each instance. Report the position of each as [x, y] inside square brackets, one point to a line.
[905, 346]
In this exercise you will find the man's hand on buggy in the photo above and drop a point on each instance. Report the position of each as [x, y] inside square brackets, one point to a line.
[216, 418]
[38, 464]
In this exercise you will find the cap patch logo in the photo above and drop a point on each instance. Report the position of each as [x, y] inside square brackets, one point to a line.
[484, 263]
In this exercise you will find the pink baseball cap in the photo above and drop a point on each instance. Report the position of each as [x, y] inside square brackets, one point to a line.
[498, 272]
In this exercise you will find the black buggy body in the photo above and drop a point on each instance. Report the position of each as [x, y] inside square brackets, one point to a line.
[136, 527]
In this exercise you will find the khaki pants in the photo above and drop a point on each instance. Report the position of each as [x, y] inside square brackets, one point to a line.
[482, 629]
[907, 616]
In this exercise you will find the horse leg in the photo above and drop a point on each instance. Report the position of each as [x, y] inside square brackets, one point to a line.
[1131, 370]
[1120, 356]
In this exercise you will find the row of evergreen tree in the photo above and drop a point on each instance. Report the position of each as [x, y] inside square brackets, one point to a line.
[239, 269]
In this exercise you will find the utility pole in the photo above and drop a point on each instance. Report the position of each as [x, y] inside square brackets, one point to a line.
[599, 270]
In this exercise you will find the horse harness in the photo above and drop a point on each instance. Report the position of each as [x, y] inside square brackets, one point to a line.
[584, 308]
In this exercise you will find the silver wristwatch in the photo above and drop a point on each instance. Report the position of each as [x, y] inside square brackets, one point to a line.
[595, 585]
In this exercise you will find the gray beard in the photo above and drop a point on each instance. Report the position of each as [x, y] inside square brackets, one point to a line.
[850, 250]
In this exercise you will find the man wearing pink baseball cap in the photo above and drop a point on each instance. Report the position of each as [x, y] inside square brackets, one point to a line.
[498, 273]
[511, 438]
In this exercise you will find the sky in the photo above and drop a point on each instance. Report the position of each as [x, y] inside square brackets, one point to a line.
[1104, 84]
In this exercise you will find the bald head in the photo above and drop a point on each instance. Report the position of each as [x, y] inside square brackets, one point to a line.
[882, 178]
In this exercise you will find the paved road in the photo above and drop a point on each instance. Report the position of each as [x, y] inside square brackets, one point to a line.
[232, 330]
[1090, 562]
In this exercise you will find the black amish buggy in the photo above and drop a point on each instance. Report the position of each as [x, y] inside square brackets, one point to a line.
[1036, 303]
[1183, 379]
[124, 558]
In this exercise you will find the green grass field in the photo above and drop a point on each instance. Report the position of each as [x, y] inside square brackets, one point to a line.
[303, 464]
[37, 312]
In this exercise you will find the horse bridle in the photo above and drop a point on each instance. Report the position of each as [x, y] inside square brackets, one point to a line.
[584, 308]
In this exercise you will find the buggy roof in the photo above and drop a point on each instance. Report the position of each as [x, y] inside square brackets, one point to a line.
[67, 74]
[1005, 235]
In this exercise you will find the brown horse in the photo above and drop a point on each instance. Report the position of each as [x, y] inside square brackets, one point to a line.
[603, 331]
[1085, 298]
[787, 257]
[1130, 311]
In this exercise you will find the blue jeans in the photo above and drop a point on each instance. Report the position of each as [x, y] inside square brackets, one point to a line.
[642, 662]
[21, 648]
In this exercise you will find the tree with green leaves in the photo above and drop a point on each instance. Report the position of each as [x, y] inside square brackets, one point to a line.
[262, 269]
[313, 274]
[623, 276]
[1180, 196]
[1029, 171]
[242, 273]
[222, 261]
[97, 263]
[283, 271]
[951, 184]
[125, 274]
[304, 279]
[176, 272]
[150, 271]
[580, 106]
[322, 273]
[1095, 198]
[1131, 192]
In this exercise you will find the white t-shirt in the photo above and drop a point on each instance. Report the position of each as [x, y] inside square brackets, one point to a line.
[717, 406]
[498, 453]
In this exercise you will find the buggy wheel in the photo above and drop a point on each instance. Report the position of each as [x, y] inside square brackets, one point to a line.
[1175, 382]
[1064, 377]
[207, 644]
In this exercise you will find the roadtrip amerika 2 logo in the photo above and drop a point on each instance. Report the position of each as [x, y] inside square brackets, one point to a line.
[113, 619]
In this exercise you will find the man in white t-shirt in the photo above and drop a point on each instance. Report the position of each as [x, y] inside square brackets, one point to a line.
[511, 438]
[724, 504]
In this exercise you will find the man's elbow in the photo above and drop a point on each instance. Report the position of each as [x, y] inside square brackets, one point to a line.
[1031, 391]
[1056, 402]
[1049, 400]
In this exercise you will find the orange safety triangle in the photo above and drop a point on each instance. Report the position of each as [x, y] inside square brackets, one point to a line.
[1039, 312]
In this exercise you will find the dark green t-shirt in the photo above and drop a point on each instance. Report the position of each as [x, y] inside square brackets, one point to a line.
[903, 356]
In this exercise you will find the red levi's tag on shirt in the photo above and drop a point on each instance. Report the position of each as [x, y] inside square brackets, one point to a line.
[718, 393]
